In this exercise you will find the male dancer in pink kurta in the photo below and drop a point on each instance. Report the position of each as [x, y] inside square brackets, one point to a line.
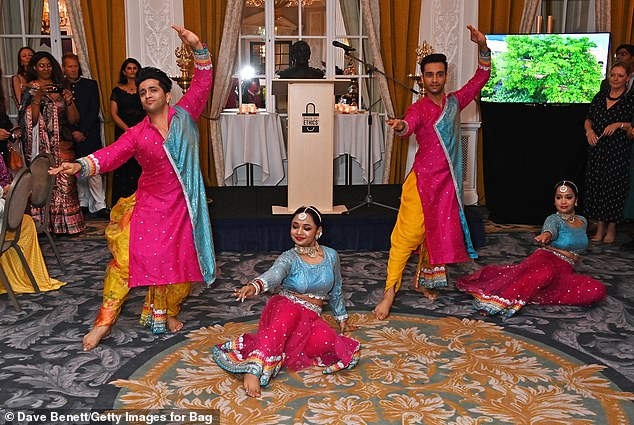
[161, 236]
[431, 216]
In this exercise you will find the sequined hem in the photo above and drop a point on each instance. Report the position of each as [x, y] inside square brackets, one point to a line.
[432, 277]
[303, 303]
[341, 318]
[336, 367]
[228, 357]
[563, 257]
[493, 304]
[156, 320]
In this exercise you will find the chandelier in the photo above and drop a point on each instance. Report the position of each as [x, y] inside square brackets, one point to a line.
[282, 3]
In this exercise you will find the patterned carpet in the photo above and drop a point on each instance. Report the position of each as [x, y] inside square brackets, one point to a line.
[548, 351]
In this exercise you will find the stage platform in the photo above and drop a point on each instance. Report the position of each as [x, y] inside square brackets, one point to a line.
[242, 220]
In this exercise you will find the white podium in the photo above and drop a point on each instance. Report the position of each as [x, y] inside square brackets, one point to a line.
[311, 105]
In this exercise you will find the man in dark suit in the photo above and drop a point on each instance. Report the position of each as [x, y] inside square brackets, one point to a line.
[86, 134]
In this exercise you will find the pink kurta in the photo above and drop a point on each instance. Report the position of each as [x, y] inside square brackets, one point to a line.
[434, 179]
[162, 247]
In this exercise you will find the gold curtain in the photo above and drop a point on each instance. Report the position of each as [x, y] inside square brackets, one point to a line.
[399, 40]
[104, 24]
[206, 18]
[622, 22]
[500, 16]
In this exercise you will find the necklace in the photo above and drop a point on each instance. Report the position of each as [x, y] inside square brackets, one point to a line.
[616, 98]
[311, 251]
[567, 217]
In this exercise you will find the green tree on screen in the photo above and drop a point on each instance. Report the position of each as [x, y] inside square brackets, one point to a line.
[552, 69]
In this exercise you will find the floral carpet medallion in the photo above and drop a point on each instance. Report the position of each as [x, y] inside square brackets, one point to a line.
[414, 369]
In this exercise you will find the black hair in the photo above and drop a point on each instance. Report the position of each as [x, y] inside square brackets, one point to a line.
[149, 72]
[628, 47]
[310, 210]
[122, 78]
[22, 69]
[31, 73]
[433, 58]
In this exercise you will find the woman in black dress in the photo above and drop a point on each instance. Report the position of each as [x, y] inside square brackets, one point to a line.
[607, 179]
[126, 111]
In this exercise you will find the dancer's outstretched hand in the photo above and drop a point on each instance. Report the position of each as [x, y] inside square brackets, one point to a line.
[68, 168]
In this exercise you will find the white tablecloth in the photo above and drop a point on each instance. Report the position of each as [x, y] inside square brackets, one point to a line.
[253, 139]
[351, 137]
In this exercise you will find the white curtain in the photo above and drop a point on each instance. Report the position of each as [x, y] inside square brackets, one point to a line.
[603, 15]
[527, 24]
[79, 35]
[223, 71]
[371, 15]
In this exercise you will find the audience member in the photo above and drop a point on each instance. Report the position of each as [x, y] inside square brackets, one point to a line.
[86, 134]
[28, 242]
[625, 56]
[46, 115]
[607, 176]
[18, 81]
[252, 93]
[126, 111]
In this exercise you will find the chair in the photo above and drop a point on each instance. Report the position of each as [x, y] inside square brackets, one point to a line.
[14, 208]
[41, 195]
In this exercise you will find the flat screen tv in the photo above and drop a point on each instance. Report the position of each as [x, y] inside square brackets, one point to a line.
[546, 68]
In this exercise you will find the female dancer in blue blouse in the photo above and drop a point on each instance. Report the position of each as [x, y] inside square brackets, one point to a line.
[291, 331]
[547, 276]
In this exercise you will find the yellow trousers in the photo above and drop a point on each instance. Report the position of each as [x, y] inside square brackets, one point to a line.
[408, 236]
[15, 272]
[161, 301]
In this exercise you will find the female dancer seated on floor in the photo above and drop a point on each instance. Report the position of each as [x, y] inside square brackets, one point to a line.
[547, 276]
[291, 331]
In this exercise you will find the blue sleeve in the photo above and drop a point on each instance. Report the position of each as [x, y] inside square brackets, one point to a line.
[336, 294]
[274, 276]
[551, 225]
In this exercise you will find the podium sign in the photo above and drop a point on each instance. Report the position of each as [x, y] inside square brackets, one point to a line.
[310, 144]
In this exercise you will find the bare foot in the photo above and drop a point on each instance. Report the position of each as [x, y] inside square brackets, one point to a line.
[252, 385]
[96, 334]
[382, 310]
[173, 324]
[429, 293]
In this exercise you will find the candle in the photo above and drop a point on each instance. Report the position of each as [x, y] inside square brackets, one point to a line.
[538, 28]
[549, 29]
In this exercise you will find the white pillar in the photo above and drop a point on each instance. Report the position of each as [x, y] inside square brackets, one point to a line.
[150, 37]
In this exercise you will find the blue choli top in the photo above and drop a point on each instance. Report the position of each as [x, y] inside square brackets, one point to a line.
[322, 281]
[564, 236]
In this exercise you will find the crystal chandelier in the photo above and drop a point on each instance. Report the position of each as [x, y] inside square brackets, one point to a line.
[282, 3]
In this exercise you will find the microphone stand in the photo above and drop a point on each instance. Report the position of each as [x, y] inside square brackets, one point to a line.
[371, 69]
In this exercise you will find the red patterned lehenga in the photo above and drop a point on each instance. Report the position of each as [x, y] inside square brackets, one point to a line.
[544, 277]
[291, 331]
